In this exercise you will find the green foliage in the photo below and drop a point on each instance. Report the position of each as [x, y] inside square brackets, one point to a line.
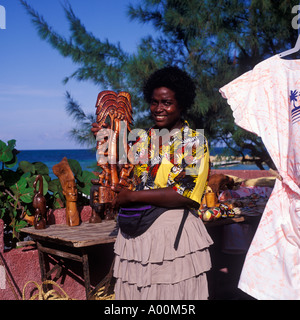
[17, 192]
[215, 41]
[8, 153]
[83, 177]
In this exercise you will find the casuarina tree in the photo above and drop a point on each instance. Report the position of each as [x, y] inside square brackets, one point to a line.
[214, 41]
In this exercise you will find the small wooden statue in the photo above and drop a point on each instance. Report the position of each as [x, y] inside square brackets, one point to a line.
[65, 175]
[113, 110]
[39, 204]
[219, 182]
[97, 207]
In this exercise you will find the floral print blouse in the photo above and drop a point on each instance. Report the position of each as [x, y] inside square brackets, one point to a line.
[177, 159]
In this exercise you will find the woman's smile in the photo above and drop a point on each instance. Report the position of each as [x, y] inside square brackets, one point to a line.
[160, 117]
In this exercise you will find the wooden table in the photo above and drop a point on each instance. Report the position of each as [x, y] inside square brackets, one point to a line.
[71, 243]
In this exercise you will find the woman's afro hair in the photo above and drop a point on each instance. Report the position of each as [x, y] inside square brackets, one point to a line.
[175, 79]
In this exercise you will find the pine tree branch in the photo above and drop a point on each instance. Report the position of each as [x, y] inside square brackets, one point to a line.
[100, 61]
[73, 109]
[65, 47]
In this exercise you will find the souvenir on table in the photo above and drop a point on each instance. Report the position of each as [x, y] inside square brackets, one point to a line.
[219, 181]
[211, 199]
[97, 208]
[66, 177]
[39, 204]
[208, 215]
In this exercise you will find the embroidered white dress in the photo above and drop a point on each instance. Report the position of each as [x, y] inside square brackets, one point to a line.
[266, 101]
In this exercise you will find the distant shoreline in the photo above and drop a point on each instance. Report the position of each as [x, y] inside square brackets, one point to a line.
[87, 158]
[239, 163]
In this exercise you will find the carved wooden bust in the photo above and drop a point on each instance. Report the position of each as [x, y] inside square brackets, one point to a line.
[65, 175]
[97, 207]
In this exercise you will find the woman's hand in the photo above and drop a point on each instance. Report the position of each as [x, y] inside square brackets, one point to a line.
[123, 197]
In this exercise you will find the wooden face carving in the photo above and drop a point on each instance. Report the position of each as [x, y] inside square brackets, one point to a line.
[70, 191]
[66, 177]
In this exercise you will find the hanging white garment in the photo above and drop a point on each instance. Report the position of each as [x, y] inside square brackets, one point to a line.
[266, 101]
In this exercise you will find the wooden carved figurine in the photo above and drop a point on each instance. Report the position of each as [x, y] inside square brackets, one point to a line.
[219, 182]
[39, 204]
[98, 208]
[65, 175]
[114, 114]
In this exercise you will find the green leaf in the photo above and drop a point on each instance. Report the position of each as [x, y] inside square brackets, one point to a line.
[85, 179]
[14, 213]
[26, 176]
[47, 177]
[6, 155]
[56, 204]
[26, 166]
[41, 168]
[59, 200]
[80, 179]
[75, 167]
[12, 162]
[27, 195]
[87, 176]
[2, 145]
[2, 212]
[19, 187]
[11, 144]
[6, 151]
[54, 185]
[19, 225]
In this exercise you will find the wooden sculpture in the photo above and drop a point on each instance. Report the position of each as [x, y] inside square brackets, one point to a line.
[219, 182]
[39, 204]
[65, 175]
[113, 112]
[98, 208]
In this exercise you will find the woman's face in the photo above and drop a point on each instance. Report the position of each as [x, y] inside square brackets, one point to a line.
[165, 109]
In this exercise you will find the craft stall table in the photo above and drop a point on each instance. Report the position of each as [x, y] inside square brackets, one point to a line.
[226, 255]
[71, 243]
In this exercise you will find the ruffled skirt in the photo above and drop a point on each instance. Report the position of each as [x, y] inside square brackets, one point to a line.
[149, 268]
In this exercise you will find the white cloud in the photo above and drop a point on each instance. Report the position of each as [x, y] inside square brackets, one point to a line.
[7, 91]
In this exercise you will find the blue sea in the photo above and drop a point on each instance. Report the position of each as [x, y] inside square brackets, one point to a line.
[87, 158]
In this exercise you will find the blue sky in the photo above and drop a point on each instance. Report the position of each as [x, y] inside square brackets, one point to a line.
[32, 95]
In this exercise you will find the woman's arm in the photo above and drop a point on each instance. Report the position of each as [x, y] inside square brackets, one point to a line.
[164, 197]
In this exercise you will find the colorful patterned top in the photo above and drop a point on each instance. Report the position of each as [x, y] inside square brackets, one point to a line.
[181, 161]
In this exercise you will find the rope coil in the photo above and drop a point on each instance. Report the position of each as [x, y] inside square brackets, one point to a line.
[49, 295]
[54, 295]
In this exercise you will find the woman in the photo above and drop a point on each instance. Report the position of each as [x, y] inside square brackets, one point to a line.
[148, 266]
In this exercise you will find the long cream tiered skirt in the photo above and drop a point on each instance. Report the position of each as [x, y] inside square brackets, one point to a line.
[149, 268]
